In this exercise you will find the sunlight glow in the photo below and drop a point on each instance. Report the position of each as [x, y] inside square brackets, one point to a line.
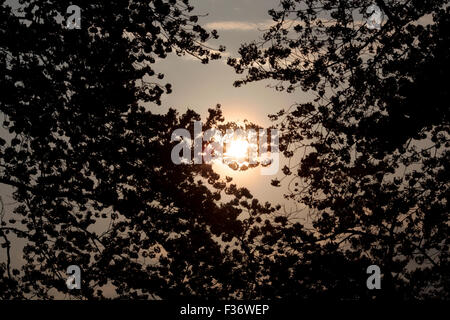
[237, 149]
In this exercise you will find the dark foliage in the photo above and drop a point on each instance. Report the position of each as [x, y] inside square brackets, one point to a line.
[370, 151]
[95, 185]
[91, 167]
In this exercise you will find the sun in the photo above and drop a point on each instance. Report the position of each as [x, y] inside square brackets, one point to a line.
[237, 149]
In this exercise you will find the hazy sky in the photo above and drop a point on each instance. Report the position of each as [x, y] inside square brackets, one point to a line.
[200, 87]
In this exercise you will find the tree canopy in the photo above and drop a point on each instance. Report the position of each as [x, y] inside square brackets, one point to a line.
[370, 151]
[90, 166]
[92, 174]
